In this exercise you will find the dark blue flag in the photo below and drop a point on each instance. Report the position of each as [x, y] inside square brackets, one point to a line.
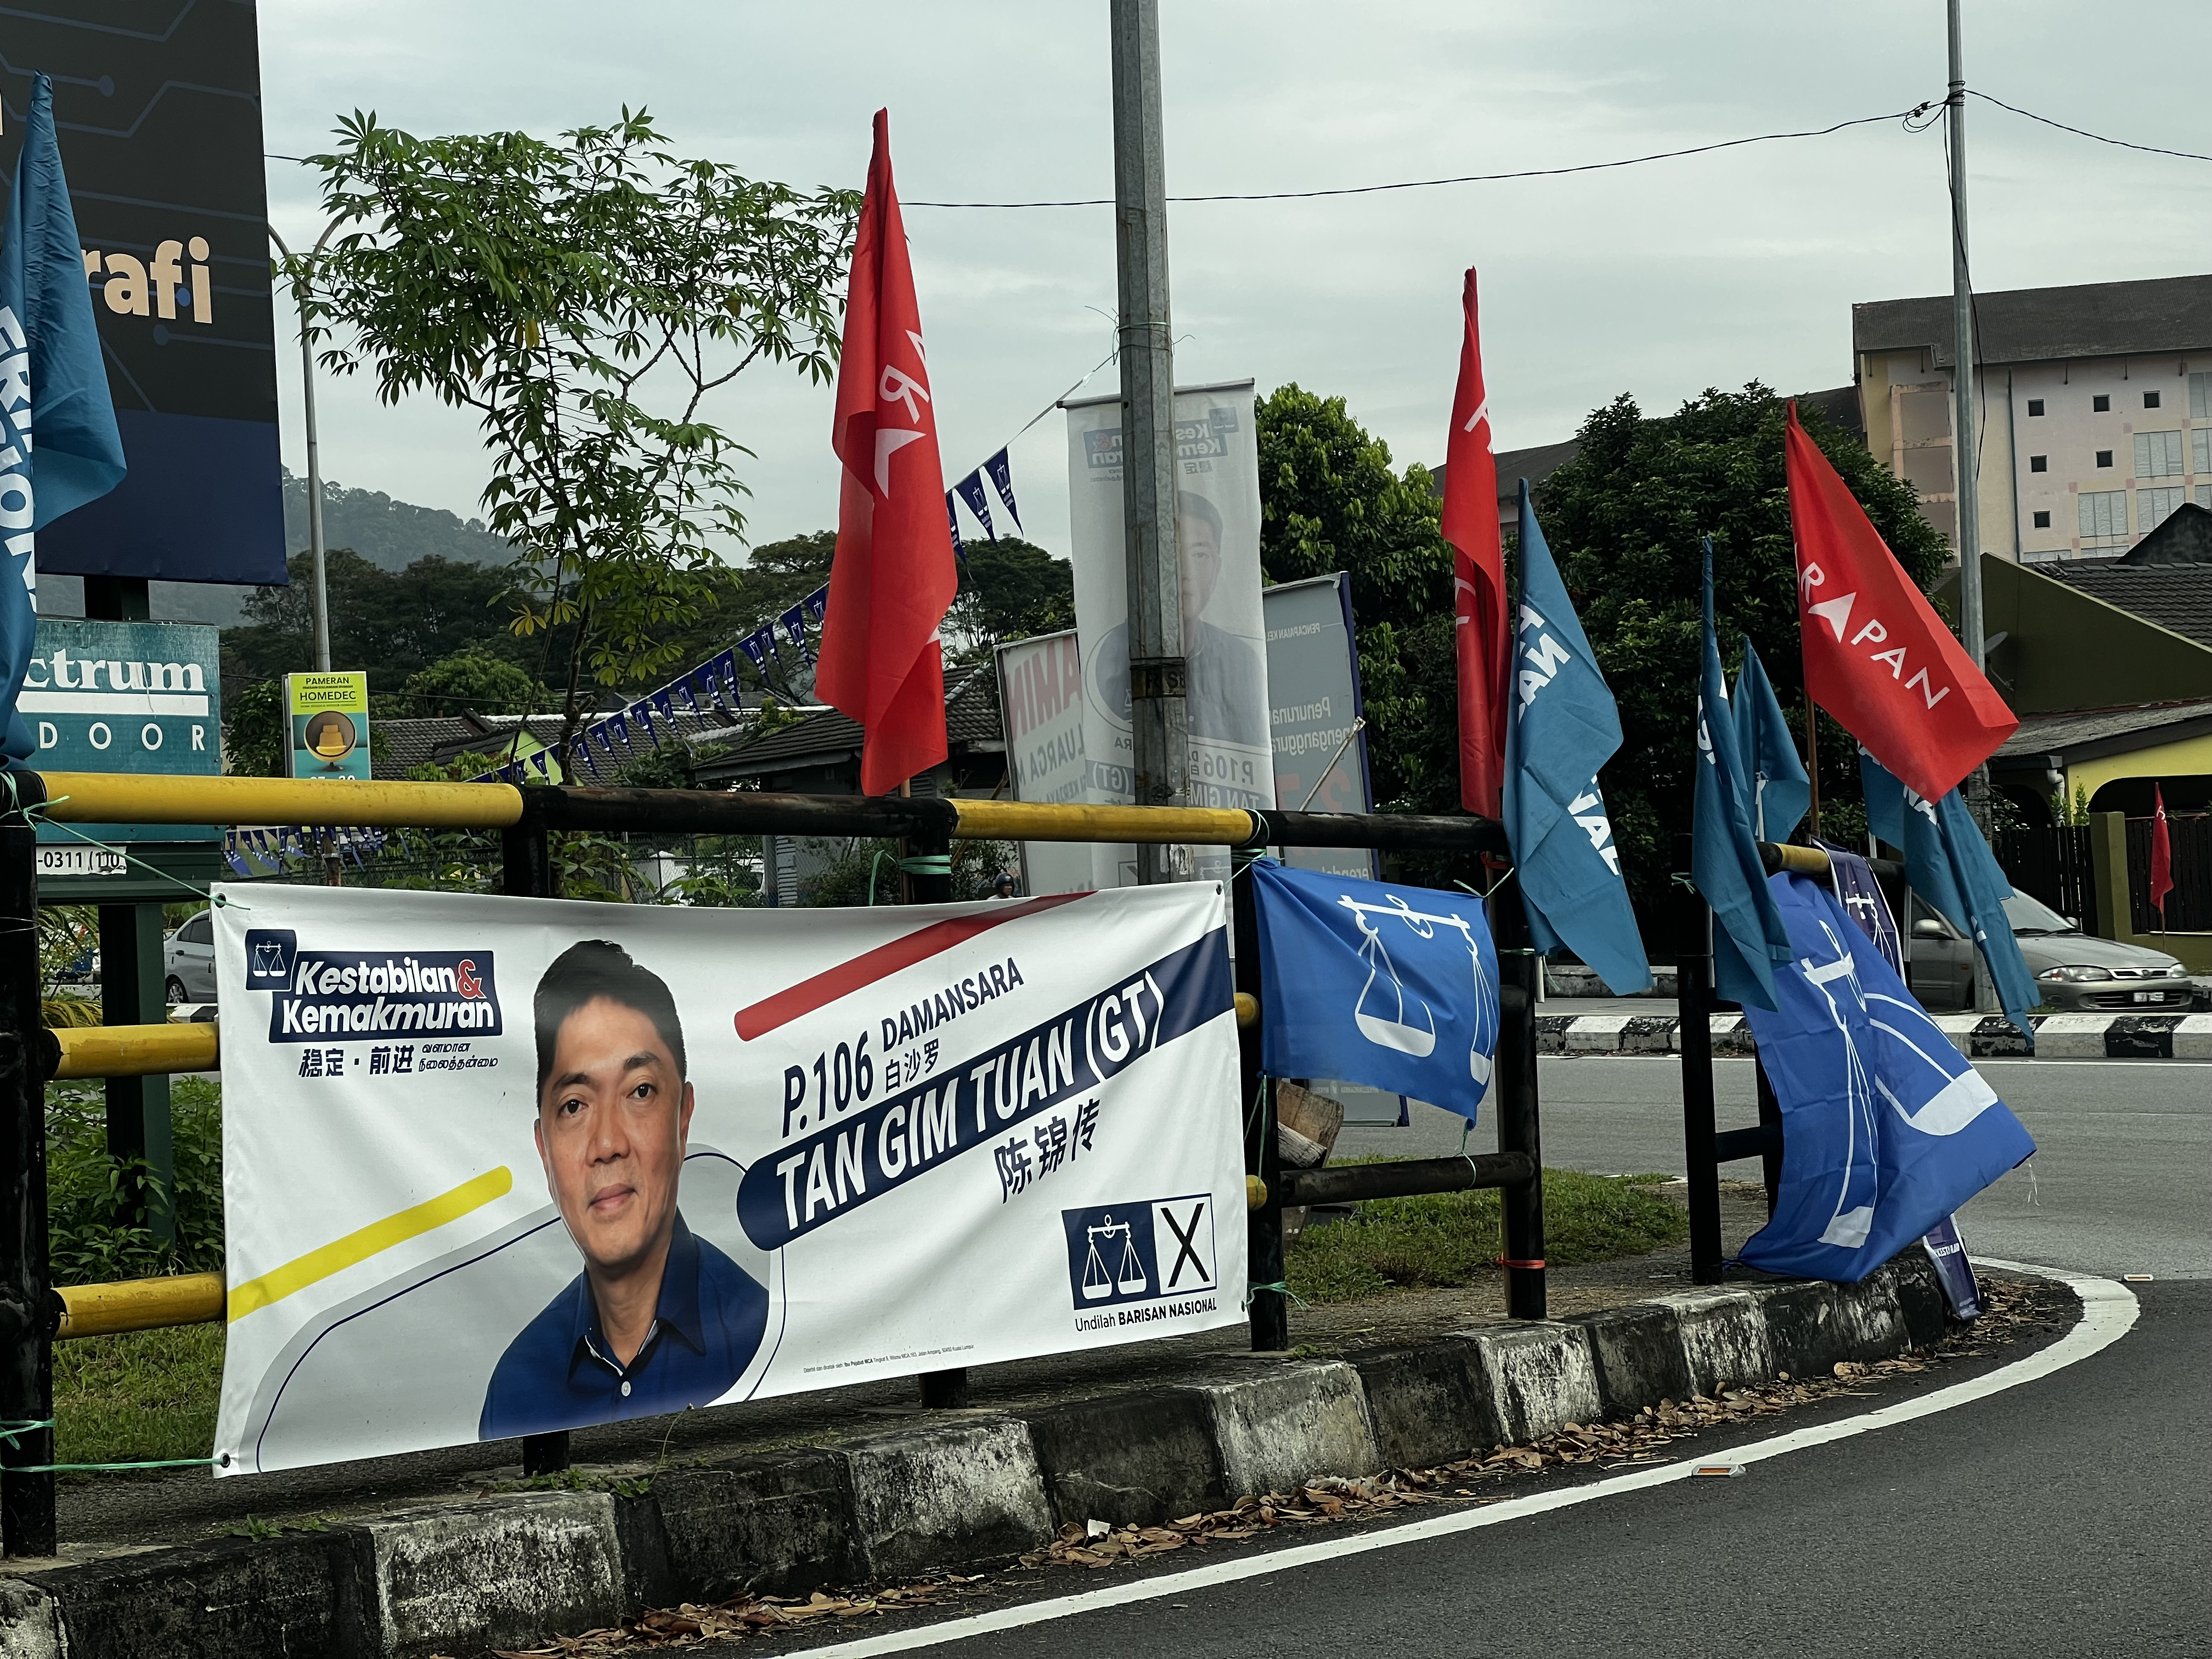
[1863, 901]
[1948, 864]
[1563, 727]
[58, 447]
[1781, 793]
[1885, 1127]
[1748, 936]
[1393, 986]
[1002, 480]
[970, 490]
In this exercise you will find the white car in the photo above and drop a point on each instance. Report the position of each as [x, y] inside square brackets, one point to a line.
[188, 960]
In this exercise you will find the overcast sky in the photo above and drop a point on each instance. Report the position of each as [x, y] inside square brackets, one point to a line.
[1658, 280]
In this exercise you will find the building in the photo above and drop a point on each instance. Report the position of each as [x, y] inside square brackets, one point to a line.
[2096, 409]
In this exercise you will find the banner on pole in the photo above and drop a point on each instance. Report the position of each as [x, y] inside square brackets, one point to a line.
[1040, 691]
[500, 1166]
[1224, 638]
[1313, 693]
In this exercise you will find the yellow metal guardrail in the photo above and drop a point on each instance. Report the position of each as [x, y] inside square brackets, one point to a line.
[139, 1304]
[136, 1050]
[1016, 820]
[123, 797]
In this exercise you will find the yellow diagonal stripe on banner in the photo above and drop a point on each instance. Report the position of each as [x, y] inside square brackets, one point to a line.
[358, 1246]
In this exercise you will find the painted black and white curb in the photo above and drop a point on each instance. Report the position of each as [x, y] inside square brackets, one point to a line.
[955, 1488]
[1980, 1036]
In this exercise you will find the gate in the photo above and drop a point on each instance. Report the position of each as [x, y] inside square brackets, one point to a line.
[2051, 862]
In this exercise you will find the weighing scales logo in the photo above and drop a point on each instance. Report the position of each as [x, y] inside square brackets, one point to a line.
[1391, 1016]
[1151, 1250]
[320, 994]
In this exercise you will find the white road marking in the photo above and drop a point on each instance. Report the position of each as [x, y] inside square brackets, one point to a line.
[2108, 1310]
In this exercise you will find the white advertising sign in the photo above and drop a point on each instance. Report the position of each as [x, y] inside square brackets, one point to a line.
[503, 1166]
[1041, 690]
[1313, 680]
[1225, 641]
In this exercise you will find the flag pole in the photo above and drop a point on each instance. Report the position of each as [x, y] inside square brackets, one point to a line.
[1812, 765]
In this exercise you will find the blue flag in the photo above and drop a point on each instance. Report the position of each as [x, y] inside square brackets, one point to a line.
[1781, 793]
[1564, 727]
[59, 447]
[1948, 864]
[1393, 986]
[1748, 936]
[1885, 1127]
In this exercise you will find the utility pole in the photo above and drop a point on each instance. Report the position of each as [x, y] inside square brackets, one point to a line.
[322, 604]
[1159, 714]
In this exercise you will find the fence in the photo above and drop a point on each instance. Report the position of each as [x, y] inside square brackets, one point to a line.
[2051, 862]
[33, 1314]
[2189, 905]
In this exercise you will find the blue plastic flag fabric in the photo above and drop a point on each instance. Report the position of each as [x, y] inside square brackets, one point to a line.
[1948, 864]
[1393, 986]
[1863, 901]
[1564, 727]
[1748, 936]
[58, 446]
[1781, 793]
[1885, 1127]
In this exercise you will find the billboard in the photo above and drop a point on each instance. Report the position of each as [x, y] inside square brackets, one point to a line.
[159, 118]
[125, 697]
[505, 1166]
[328, 717]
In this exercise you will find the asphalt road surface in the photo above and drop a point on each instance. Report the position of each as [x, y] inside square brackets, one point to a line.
[2064, 1515]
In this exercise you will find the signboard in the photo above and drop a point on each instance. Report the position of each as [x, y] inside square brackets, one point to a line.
[1312, 690]
[329, 718]
[1040, 691]
[498, 1166]
[1218, 492]
[125, 697]
[159, 118]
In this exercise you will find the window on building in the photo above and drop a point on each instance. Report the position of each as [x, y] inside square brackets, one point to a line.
[2104, 518]
[2157, 455]
[2101, 404]
[2200, 450]
[2104, 458]
[2155, 507]
[2150, 400]
[2042, 521]
[2042, 463]
[2200, 397]
[2204, 496]
[2035, 405]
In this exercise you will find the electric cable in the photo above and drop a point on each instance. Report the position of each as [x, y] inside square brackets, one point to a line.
[2084, 132]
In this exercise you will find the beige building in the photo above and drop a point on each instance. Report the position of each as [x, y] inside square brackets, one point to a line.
[2095, 410]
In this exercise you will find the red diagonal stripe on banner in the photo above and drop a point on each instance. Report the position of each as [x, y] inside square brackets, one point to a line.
[847, 977]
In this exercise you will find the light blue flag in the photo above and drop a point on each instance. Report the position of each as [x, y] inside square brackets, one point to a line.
[1948, 864]
[1748, 936]
[1563, 728]
[1781, 793]
[1885, 1127]
[53, 390]
[1377, 983]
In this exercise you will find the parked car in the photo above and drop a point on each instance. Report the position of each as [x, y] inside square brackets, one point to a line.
[188, 959]
[2074, 970]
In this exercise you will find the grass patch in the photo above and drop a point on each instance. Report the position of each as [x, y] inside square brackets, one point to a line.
[139, 1397]
[1452, 1238]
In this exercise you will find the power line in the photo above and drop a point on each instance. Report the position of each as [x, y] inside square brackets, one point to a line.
[2084, 132]
[1472, 178]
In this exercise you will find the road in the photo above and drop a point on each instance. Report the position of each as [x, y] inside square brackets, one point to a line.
[2062, 1516]
[2121, 1182]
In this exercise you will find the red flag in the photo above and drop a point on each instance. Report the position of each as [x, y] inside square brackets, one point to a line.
[2162, 854]
[893, 578]
[1877, 656]
[1479, 599]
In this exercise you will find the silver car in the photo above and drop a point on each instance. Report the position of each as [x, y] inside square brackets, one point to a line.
[2073, 970]
[188, 960]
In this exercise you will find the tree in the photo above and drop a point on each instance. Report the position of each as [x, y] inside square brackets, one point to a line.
[1010, 589]
[1329, 501]
[472, 681]
[1625, 520]
[583, 297]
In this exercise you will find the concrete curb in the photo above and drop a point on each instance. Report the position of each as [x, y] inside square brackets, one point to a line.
[1978, 1036]
[954, 1488]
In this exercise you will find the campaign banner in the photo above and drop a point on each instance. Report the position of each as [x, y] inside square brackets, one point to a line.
[504, 1166]
[1041, 693]
[1224, 637]
[1313, 713]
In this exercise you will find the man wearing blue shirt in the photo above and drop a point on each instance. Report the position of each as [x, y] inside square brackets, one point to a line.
[658, 1319]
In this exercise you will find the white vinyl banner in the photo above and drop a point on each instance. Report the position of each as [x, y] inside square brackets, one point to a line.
[1225, 641]
[501, 1166]
[1041, 690]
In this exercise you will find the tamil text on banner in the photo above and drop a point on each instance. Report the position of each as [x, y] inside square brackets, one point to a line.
[1377, 983]
[1217, 516]
[1314, 712]
[500, 1166]
[1041, 690]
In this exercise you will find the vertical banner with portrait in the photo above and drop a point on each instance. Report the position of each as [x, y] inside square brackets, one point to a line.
[1040, 691]
[1217, 516]
[504, 1166]
[1313, 688]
